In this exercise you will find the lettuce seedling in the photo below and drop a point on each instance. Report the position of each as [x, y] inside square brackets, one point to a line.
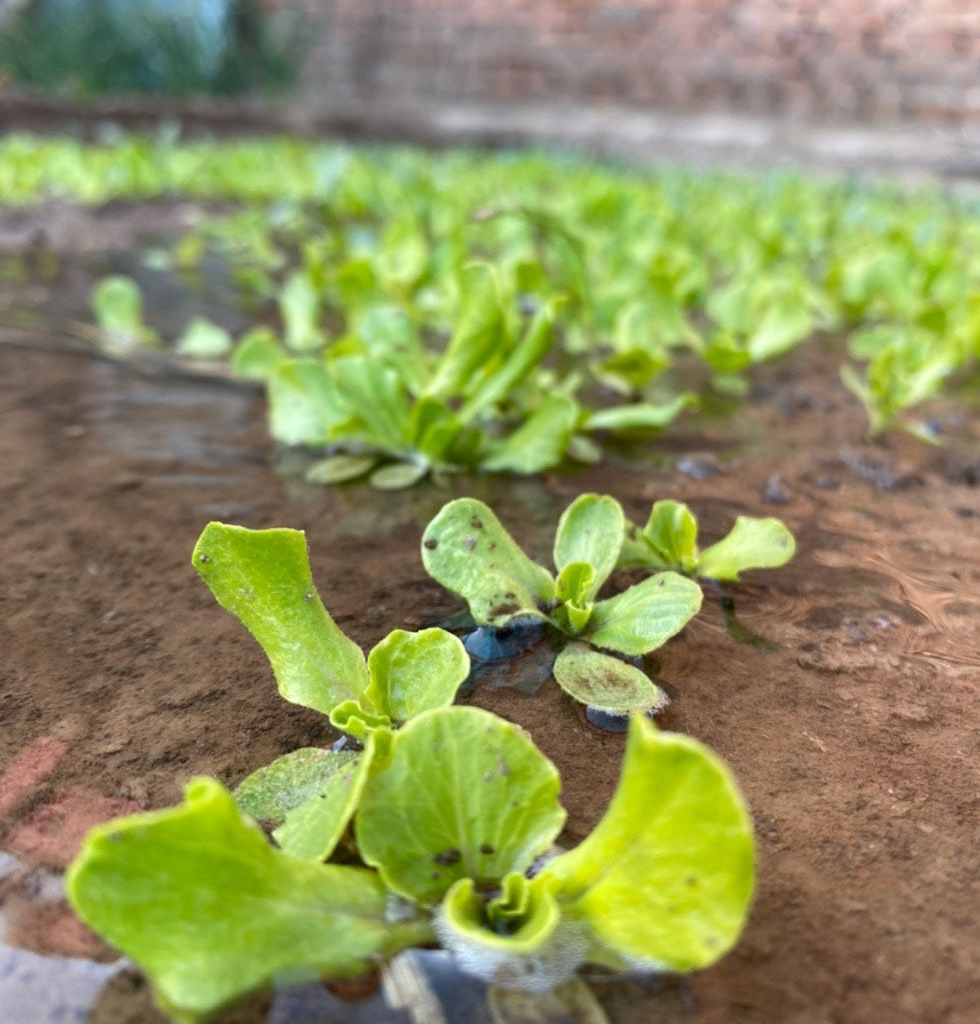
[451, 823]
[396, 413]
[118, 306]
[204, 340]
[399, 414]
[263, 578]
[467, 549]
[670, 541]
[902, 373]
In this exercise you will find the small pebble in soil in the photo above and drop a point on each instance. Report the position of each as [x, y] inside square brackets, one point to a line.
[775, 491]
[827, 483]
[699, 467]
[878, 473]
[963, 471]
[933, 426]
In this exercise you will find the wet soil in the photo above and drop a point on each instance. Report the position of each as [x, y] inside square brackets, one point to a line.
[842, 689]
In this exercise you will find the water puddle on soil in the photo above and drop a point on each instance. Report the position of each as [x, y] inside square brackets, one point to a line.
[876, 586]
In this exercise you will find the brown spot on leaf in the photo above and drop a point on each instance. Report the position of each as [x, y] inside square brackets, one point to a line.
[447, 857]
[507, 608]
[431, 543]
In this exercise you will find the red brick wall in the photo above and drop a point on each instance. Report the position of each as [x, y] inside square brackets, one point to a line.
[827, 59]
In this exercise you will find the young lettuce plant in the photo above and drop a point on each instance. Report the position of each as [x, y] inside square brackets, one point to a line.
[467, 549]
[902, 373]
[451, 823]
[263, 578]
[118, 306]
[670, 541]
[396, 413]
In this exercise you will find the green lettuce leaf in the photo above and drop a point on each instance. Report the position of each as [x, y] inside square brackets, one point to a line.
[353, 718]
[263, 578]
[304, 402]
[516, 940]
[204, 340]
[388, 333]
[209, 910]
[118, 306]
[666, 877]
[312, 830]
[479, 329]
[398, 475]
[404, 252]
[781, 327]
[751, 544]
[638, 552]
[540, 442]
[339, 468]
[310, 794]
[523, 917]
[645, 616]
[375, 394]
[672, 531]
[576, 584]
[602, 681]
[631, 368]
[299, 305]
[271, 792]
[462, 794]
[642, 416]
[257, 354]
[416, 672]
[591, 530]
[533, 347]
[468, 551]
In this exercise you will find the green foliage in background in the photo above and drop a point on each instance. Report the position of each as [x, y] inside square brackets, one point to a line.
[609, 300]
[103, 47]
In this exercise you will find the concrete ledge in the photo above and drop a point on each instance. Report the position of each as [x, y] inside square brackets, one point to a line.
[906, 151]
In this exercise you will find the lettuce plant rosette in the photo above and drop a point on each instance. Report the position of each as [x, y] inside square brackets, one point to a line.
[455, 815]
[437, 825]
[468, 550]
[435, 830]
[669, 540]
[390, 409]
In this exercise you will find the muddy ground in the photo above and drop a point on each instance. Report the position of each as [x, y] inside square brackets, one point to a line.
[844, 696]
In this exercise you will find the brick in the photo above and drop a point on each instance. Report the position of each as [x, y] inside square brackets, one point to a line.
[29, 769]
[52, 835]
[842, 58]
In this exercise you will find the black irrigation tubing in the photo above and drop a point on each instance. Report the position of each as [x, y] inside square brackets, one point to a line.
[147, 365]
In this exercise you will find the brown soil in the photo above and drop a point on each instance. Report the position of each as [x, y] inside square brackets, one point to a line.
[852, 729]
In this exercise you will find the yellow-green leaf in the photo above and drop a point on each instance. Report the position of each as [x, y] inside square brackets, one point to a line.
[263, 578]
[666, 877]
